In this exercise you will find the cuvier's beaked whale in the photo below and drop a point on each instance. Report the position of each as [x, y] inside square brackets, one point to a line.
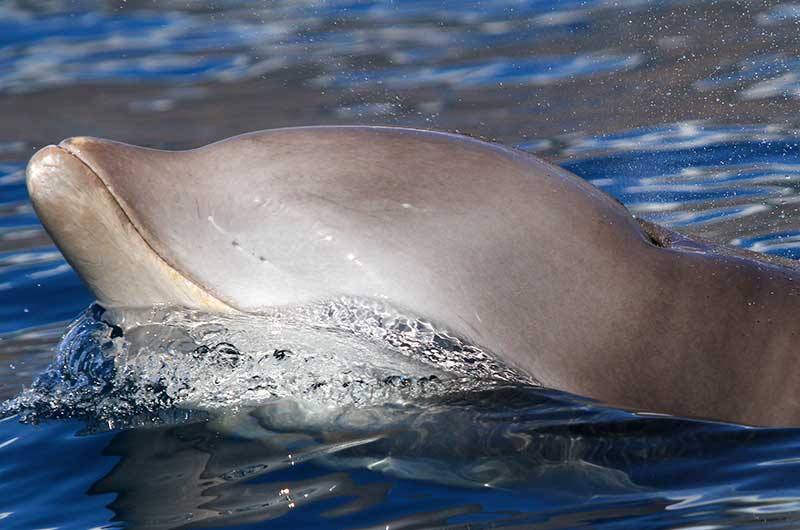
[516, 255]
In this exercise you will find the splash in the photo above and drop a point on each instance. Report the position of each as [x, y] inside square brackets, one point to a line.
[126, 365]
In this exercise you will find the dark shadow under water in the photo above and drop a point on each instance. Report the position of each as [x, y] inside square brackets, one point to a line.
[542, 456]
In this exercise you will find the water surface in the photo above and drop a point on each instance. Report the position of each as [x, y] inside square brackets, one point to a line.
[686, 112]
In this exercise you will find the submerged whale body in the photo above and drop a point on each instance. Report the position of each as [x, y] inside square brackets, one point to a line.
[517, 256]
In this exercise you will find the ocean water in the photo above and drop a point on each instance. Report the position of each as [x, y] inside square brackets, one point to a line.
[349, 414]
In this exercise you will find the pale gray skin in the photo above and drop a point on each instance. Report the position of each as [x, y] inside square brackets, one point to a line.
[518, 256]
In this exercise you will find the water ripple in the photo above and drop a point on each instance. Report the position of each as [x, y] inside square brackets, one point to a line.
[76, 46]
[496, 71]
[62, 49]
[737, 185]
[674, 84]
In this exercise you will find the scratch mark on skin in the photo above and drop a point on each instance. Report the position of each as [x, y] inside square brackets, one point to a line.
[352, 257]
[255, 256]
[323, 235]
[260, 203]
[409, 206]
[218, 228]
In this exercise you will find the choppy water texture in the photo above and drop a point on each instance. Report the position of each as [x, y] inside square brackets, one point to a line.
[349, 414]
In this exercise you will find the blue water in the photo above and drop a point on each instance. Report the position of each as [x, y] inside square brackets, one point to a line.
[686, 112]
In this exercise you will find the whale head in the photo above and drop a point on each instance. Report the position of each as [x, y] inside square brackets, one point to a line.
[97, 235]
[452, 227]
[509, 253]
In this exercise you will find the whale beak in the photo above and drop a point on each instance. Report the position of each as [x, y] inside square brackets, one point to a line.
[98, 239]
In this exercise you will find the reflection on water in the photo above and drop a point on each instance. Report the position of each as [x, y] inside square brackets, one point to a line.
[688, 112]
[505, 456]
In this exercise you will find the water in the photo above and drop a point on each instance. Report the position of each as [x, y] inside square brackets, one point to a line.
[687, 112]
